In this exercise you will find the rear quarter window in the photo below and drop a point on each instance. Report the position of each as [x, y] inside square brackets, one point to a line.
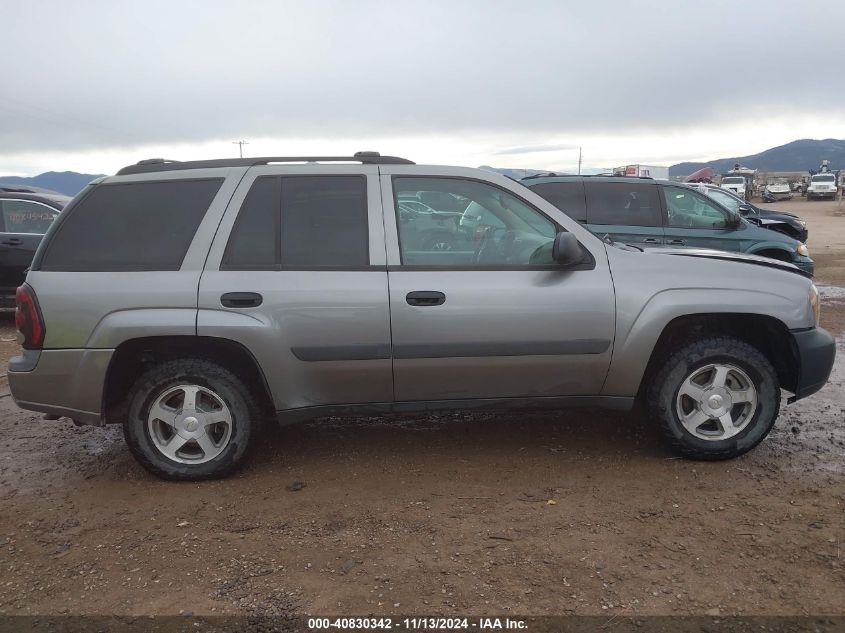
[130, 226]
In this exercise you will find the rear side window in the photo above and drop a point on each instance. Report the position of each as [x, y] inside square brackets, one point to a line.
[26, 216]
[566, 196]
[622, 203]
[131, 226]
[301, 222]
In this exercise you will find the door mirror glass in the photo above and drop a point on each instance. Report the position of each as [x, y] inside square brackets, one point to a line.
[566, 250]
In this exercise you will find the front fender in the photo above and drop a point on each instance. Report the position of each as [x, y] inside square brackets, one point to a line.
[637, 333]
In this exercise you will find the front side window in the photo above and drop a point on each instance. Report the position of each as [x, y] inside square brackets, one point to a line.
[301, 222]
[687, 208]
[622, 203]
[131, 226]
[26, 216]
[470, 224]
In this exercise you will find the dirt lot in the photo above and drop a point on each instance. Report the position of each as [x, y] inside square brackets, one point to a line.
[577, 512]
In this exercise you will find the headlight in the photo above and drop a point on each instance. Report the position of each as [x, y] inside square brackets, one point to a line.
[803, 224]
[803, 250]
[815, 304]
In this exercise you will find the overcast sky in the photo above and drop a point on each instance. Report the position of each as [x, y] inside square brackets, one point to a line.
[90, 86]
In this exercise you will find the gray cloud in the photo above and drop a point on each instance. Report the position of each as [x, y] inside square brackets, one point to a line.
[97, 74]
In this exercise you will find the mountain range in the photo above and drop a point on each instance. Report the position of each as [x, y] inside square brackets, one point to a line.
[802, 155]
[67, 182]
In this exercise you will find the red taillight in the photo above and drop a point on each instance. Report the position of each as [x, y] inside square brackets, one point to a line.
[28, 318]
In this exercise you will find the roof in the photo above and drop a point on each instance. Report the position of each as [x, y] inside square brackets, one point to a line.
[161, 164]
[552, 177]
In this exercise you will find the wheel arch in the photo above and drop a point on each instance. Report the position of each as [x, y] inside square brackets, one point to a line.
[763, 332]
[134, 356]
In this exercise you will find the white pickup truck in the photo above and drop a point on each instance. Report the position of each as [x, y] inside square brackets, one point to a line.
[736, 184]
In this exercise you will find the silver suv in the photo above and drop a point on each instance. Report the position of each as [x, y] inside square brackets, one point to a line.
[192, 301]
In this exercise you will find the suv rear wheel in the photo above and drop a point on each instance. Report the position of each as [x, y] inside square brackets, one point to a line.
[190, 419]
[715, 398]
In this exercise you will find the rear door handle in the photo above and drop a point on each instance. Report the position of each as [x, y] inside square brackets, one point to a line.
[678, 242]
[651, 240]
[241, 299]
[425, 298]
[13, 241]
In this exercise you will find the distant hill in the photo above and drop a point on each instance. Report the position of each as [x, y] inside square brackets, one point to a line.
[801, 155]
[66, 182]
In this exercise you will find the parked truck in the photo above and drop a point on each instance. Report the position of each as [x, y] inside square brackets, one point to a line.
[740, 180]
[642, 171]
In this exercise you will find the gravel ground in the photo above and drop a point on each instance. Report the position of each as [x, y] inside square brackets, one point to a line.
[576, 512]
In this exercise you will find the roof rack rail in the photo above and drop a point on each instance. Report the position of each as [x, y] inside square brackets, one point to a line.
[162, 164]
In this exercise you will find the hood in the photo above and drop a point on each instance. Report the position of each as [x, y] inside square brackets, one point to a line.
[778, 187]
[776, 214]
[743, 258]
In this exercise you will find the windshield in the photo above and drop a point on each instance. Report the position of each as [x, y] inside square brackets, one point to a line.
[823, 178]
[733, 180]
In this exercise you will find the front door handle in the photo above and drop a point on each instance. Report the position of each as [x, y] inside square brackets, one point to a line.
[241, 299]
[651, 240]
[425, 298]
[678, 242]
[13, 241]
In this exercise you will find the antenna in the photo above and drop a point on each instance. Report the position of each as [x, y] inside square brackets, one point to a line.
[579, 160]
[240, 145]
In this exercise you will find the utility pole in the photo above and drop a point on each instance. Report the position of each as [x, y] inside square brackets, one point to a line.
[240, 145]
[579, 160]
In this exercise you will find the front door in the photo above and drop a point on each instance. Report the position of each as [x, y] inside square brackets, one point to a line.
[297, 275]
[493, 316]
[695, 220]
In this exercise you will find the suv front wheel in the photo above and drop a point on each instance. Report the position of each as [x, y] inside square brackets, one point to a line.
[190, 419]
[715, 398]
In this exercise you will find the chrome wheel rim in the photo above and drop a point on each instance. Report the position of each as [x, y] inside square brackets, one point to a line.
[716, 402]
[189, 424]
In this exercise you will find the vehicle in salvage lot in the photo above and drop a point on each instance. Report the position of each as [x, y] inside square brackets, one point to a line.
[646, 212]
[822, 186]
[25, 215]
[777, 190]
[227, 292]
[781, 221]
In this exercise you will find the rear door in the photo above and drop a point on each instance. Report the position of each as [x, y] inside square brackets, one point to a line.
[494, 317]
[22, 226]
[297, 274]
[627, 210]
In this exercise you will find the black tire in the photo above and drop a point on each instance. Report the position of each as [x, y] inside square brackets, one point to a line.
[666, 383]
[241, 402]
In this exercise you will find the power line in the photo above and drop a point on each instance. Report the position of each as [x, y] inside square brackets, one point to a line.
[240, 145]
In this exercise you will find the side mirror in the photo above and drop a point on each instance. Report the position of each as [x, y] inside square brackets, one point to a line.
[744, 209]
[566, 250]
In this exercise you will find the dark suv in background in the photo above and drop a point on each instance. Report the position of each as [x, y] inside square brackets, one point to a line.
[647, 212]
[25, 215]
